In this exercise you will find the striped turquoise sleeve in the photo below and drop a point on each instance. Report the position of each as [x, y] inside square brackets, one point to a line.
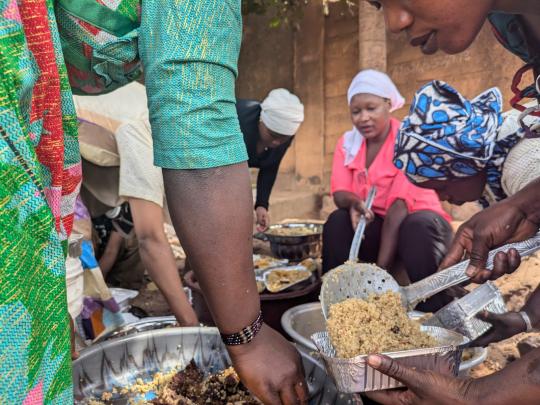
[189, 50]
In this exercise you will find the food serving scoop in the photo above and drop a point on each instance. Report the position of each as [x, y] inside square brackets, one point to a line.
[356, 280]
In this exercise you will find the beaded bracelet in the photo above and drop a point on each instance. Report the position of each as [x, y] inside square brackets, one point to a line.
[246, 335]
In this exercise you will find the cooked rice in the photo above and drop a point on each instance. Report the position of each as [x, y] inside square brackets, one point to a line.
[376, 325]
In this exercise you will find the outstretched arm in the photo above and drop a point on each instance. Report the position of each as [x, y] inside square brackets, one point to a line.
[158, 259]
[211, 212]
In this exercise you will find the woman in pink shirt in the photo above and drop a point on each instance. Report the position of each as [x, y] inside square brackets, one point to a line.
[408, 233]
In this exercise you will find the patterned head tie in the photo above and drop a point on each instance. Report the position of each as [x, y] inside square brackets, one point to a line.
[445, 136]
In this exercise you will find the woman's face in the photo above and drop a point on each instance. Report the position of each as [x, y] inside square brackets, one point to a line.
[370, 114]
[270, 139]
[447, 25]
[458, 191]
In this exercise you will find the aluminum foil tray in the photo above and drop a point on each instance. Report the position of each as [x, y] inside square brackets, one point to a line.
[460, 315]
[355, 376]
[307, 276]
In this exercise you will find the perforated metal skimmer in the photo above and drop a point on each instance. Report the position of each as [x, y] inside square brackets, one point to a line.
[358, 280]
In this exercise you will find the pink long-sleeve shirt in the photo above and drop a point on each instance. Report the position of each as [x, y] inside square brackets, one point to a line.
[391, 183]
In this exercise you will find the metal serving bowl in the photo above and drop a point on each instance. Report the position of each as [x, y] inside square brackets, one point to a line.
[121, 361]
[294, 240]
[302, 321]
[294, 248]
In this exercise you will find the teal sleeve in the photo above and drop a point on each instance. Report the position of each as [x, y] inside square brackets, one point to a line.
[189, 50]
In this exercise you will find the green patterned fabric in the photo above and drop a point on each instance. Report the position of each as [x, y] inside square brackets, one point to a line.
[39, 181]
[189, 51]
[100, 43]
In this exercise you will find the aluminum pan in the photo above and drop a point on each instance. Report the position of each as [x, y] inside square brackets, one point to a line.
[355, 376]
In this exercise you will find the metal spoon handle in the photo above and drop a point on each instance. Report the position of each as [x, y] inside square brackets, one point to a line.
[454, 275]
[359, 233]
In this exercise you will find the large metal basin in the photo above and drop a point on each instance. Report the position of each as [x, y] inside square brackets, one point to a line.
[120, 361]
[302, 321]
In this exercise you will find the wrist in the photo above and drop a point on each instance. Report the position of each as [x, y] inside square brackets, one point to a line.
[527, 201]
[244, 335]
[534, 317]
[480, 392]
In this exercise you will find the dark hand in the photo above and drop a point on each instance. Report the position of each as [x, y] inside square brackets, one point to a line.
[504, 326]
[358, 208]
[423, 387]
[502, 223]
[271, 368]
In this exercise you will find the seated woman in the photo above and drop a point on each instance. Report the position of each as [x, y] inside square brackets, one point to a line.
[409, 231]
[460, 149]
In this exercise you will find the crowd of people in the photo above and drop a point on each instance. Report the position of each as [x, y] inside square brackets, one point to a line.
[128, 155]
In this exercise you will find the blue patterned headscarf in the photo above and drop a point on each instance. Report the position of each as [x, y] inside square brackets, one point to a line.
[445, 136]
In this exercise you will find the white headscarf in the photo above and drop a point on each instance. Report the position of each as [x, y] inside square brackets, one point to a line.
[282, 112]
[369, 82]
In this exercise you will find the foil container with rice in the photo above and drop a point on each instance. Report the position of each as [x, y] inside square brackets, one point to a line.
[355, 376]
[379, 324]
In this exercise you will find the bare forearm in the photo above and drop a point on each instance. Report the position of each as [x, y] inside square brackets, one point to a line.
[211, 212]
[517, 383]
[345, 199]
[159, 261]
[109, 256]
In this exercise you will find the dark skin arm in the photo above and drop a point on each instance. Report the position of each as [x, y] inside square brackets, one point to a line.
[512, 220]
[211, 211]
[389, 235]
[355, 205]
[107, 260]
[158, 259]
[518, 383]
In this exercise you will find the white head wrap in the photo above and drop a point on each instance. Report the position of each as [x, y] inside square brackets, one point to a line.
[369, 82]
[376, 83]
[282, 112]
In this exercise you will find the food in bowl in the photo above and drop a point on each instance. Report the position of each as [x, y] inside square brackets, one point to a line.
[376, 325]
[187, 387]
[293, 231]
[280, 279]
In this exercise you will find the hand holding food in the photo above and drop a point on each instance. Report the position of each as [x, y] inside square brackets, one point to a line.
[423, 387]
[267, 362]
[511, 220]
[504, 326]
